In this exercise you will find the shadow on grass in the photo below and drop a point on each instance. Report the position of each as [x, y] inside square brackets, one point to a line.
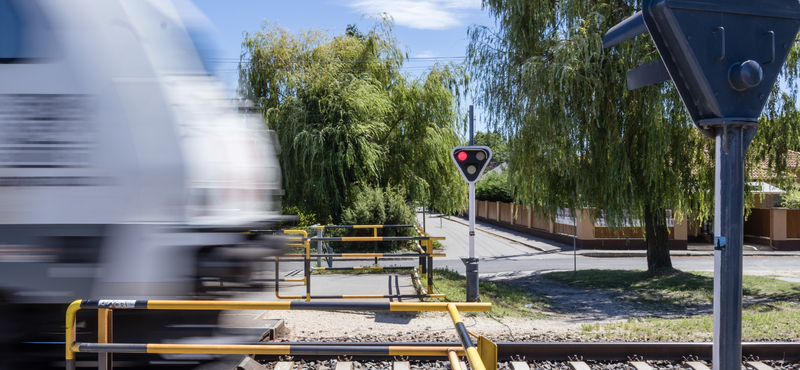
[676, 288]
[506, 299]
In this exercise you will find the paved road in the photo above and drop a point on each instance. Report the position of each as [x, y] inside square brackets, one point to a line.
[503, 255]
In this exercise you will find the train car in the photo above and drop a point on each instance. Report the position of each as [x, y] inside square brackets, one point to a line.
[124, 171]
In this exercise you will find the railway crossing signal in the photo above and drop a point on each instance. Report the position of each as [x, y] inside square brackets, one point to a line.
[724, 57]
[471, 161]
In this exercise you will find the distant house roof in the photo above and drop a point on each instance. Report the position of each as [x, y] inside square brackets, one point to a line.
[764, 173]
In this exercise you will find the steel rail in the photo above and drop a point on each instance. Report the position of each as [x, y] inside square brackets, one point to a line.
[602, 351]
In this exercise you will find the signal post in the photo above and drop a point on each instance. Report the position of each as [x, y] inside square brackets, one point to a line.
[471, 161]
[723, 57]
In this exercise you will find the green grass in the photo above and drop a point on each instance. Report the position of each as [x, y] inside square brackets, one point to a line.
[779, 321]
[674, 290]
[506, 300]
[776, 315]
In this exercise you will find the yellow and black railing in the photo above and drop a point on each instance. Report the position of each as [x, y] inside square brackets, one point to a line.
[425, 255]
[480, 357]
[104, 347]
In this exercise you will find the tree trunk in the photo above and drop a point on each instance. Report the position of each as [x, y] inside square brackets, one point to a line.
[657, 238]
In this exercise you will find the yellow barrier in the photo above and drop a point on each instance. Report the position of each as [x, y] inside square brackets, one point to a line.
[106, 347]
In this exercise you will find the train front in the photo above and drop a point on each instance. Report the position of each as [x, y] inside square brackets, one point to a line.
[125, 170]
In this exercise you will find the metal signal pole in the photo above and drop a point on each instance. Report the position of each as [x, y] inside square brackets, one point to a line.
[732, 140]
[471, 263]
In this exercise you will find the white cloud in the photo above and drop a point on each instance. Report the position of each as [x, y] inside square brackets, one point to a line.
[425, 54]
[420, 14]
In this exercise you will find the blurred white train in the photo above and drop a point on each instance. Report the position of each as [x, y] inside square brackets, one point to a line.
[124, 171]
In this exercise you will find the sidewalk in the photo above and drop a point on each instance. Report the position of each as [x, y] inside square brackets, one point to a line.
[549, 246]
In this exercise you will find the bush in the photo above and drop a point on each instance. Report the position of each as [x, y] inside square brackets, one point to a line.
[494, 188]
[376, 206]
[791, 199]
[304, 221]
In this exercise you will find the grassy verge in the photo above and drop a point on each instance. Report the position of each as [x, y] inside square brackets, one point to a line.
[506, 300]
[775, 316]
[777, 321]
[673, 291]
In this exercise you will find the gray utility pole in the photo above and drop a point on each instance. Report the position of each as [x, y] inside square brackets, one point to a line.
[723, 58]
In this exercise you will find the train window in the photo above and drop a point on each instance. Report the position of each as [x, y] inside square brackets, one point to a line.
[25, 36]
[10, 32]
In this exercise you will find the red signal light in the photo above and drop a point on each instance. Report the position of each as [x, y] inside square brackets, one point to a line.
[462, 156]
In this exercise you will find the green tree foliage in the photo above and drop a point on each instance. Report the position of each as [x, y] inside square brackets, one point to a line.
[495, 141]
[791, 199]
[579, 138]
[494, 187]
[347, 117]
[376, 206]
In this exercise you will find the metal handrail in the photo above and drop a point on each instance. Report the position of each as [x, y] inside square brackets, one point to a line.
[73, 347]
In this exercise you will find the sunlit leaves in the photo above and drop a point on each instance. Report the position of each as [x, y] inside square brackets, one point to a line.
[579, 137]
[348, 117]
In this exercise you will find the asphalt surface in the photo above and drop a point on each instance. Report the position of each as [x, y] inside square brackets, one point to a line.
[505, 253]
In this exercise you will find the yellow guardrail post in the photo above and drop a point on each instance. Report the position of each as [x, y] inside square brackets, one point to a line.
[72, 311]
[455, 364]
[430, 265]
[375, 243]
[474, 358]
[105, 334]
[306, 267]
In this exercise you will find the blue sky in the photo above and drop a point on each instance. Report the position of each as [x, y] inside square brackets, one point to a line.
[431, 29]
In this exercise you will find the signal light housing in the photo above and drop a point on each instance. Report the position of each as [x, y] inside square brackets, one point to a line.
[471, 161]
[723, 56]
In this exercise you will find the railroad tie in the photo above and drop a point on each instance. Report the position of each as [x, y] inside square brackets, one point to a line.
[401, 365]
[579, 365]
[249, 364]
[343, 365]
[696, 365]
[640, 365]
[520, 365]
[284, 365]
[757, 365]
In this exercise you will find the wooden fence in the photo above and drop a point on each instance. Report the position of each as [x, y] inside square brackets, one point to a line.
[793, 223]
[758, 223]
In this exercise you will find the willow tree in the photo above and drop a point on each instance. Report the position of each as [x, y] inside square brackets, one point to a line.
[579, 138]
[348, 117]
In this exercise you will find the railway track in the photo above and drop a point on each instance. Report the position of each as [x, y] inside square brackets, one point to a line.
[531, 356]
